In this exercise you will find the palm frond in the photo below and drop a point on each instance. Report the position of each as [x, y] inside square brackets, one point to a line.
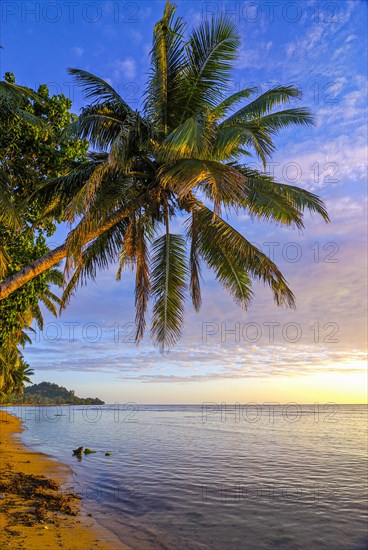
[49, 304]
[142, 281]
[101, 124]
[303, 199]
[263, 104]
[99, 128]
[169, 275]
[212, 50]
[55, 277]
[279, 202]
[195, 265]
[191, 138]
[124, 261]
[231, 140]
[228, 103]
[85, 197]
[234, 260]
[97, 255]
[52, 296]
[288, 117]
[97, 90]
[165, 93]
[37, 316]
[222, 183]
[59, 191]
[222, 260]
[24, 339]
[118, 200]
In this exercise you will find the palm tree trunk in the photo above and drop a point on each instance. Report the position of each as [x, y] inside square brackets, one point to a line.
[37, 267]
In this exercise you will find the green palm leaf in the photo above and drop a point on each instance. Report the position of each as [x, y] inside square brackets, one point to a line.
[99, 127]
[192, 138]
[37, 316]
[85, 197]
[97, 90]
[288, 117]
[273, 201]
[228, 103]
[142, 281]
[195, 265]
[169, 274]
[222, 183]
[212, 50]
[223, 261]
[263, 104]
[49, 305]
[231, 140]
[235, 260]
[165, 92]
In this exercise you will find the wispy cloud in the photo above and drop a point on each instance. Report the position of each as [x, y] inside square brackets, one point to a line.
[254, 57]
[124, 68]
[78, 51]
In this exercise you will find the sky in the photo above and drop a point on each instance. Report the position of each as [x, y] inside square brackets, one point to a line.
[315, 353]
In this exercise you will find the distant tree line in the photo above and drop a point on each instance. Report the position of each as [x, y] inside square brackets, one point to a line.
[47, 393]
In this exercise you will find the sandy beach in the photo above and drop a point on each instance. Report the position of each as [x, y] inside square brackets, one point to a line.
[35, 512]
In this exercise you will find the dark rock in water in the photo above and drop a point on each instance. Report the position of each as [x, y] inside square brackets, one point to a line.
[78, 452]
[108, 454]
[88, 451]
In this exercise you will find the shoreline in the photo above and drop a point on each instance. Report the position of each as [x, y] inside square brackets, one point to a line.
[34, 511]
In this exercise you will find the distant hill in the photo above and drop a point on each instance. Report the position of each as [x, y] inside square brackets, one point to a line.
[47, 393]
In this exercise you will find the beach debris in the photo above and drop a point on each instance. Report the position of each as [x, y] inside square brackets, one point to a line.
[2, 497]
[39, 497]
[108, 453]
[78, 452]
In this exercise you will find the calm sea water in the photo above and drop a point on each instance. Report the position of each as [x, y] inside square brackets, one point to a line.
[206, 477]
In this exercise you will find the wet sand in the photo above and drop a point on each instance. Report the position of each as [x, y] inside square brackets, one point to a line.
[36, 509]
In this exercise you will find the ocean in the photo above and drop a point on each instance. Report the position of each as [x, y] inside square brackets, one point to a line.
[212, 476]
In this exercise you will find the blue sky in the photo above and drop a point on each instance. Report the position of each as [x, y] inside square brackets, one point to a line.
[273, 354]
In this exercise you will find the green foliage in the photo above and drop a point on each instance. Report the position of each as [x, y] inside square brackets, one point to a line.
[31, 125]
[31, 152]
[21, 250]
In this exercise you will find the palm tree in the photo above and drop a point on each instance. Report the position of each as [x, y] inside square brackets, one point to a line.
[14, 371]
[21, 377]
[182, 156]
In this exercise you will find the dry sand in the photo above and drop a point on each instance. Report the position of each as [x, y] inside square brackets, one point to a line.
[34, 512]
